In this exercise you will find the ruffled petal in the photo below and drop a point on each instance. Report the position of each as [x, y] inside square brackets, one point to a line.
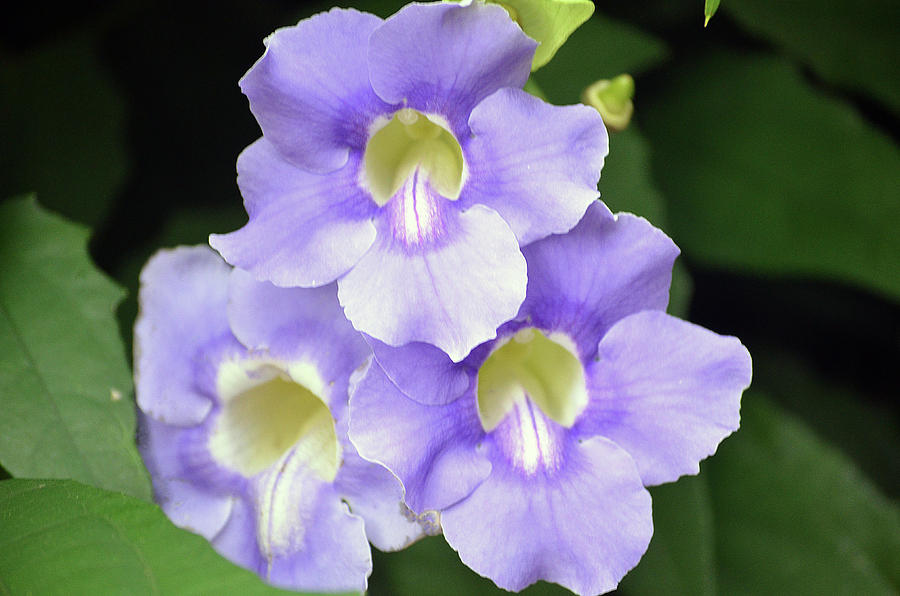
[431, 449]
[376, 495]
[445, 58]
[297, 324]
[307, 536]
[582, 282]
[667, 391]
[582, 525]
[188, 505]
[182, 307]
[423, 372]
[534, 163]
[327, 549]
[305, 229]
[310, 91]
[452, 293]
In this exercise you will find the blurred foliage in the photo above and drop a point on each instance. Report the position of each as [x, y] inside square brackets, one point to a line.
[765, 145]
[600, 49]
[794, 516]
[64, 384]
[681, 559]
[66, 116]
[850, 44]
[777, 178]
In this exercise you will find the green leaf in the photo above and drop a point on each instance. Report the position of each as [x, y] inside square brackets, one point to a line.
[681, 557]
[549, 22]
[63, 128]
[852, 43]
[61, 537]
[65, 387]
[709, 9]
[866, 429]
[600, 49]
[764, 175]
[794, 516]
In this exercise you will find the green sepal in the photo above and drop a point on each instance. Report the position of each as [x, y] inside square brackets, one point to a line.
[612, 98]
[549, 22]
[709, 10]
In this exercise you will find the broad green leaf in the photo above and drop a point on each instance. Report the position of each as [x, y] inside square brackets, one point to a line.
[549, 22]
[852, 43]
[681, 557]
[65, 388]
[763, 174]
[866, 429]
[600, 49]
[62, 537]
[63, 128]
[709, 9]
[794, 516]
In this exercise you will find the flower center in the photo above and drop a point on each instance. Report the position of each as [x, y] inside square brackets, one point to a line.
[412, 140]
[545, 370]
[266, 412]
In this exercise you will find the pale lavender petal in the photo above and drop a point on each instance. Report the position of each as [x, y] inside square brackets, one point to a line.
[423, 372]
[292, 529]
[310, 91]
[182, 308]
[432, 449]
[305, 229]
[445, 58]
[534, 163]
[297, 324]
[667, 391]
[307, 536]
[583, 524]
[376, 495]
[452, 293]
[188, 506]
[604, 269]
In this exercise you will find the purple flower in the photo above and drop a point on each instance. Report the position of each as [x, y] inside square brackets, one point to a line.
[536, 448]
[402, 159]
[243, 393]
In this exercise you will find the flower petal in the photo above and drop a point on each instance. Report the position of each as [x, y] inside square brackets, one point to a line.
[667, 391]
[315, 544]
[604, 269]
[452, 294]
[305, 229]
[297, 324]
[431, 449]
[534, 163]
[445, 58]
[582, 526]
[376, 495]
[307, 535]
[310, 91]
[182, 307]
[423, 372]
[188, 505]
